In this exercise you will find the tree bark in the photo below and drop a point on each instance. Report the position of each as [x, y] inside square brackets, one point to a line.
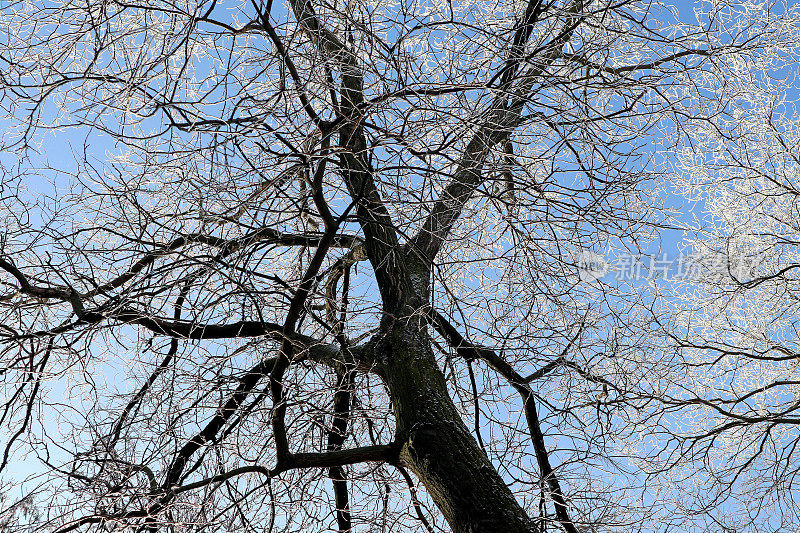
[434, 440]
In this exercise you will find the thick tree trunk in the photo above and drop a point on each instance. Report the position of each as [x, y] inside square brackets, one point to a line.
[436, 444]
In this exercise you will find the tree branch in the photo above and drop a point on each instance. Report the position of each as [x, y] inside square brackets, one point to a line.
[386, 453]
[381, 241]
[501, 119]
[471, 351]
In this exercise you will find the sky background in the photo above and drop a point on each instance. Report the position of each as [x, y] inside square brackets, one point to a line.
[58, 151]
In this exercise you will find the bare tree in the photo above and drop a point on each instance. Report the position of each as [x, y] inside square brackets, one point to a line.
[314, 265]
[726, 357]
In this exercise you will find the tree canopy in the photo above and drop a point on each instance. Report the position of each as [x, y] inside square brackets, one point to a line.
[311, 266]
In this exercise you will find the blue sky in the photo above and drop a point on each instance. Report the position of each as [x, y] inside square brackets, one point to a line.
[58, 151]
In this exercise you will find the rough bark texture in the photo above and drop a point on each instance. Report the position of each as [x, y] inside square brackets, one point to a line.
[436, 444]
[433, 440]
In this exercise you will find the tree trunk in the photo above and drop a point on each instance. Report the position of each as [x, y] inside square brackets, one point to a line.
[436, 444]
